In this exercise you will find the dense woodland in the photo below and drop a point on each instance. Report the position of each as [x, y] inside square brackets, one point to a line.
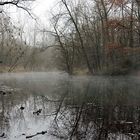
[87, 36]
[102, 36]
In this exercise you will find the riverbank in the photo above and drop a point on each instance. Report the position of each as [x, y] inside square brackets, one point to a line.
[78, 71]
[109, 72]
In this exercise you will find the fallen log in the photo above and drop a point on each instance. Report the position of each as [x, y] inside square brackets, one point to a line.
[38, 133]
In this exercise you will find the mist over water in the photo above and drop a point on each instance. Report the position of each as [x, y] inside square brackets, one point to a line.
[72, 107]
[70, 69]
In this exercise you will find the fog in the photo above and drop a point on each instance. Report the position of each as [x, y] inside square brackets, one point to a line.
[70, 70]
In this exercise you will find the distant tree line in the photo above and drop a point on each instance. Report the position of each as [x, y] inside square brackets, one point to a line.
[15, 52]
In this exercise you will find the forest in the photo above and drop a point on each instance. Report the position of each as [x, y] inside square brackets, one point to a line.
[70, 69]
[84, 37]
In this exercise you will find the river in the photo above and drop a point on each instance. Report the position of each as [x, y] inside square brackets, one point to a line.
[55, 106]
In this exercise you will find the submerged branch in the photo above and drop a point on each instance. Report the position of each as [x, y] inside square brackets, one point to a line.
[38, 133]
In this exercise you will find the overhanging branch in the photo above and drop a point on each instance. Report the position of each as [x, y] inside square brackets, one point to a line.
[16, 3]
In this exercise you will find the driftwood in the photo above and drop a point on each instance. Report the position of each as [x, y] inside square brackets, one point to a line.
[38, 133]
[3, 135]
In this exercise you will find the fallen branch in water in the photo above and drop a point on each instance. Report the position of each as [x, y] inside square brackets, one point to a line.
[39, 133]
[3, 135]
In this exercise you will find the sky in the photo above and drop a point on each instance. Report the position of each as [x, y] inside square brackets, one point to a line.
[22, 20]
[41, 8]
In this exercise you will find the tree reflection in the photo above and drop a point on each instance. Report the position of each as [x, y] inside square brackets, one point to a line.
[101, 110]
[76, 108]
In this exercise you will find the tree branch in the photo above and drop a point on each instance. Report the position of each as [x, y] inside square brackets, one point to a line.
[16, 3]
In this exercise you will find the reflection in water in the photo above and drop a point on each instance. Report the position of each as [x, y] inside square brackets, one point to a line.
[74, 108]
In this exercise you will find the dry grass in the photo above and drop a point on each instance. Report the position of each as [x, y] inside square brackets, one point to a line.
[81, 71]
[7, 68]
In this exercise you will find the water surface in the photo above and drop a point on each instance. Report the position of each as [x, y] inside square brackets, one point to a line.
[76, 108]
